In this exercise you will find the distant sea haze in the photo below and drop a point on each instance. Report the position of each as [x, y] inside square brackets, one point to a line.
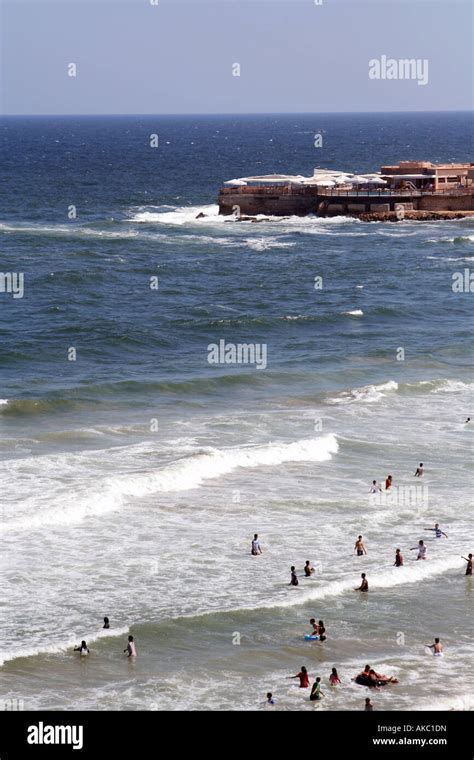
[173, 385]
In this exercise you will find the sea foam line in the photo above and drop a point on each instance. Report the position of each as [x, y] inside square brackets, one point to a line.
[182, 475]
[413, 572]
[60, 647]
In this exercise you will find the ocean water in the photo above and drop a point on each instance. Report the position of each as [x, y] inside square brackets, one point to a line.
[134, 477]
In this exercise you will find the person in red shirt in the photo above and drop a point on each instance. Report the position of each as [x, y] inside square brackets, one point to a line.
[398, 559]
[388, 482]
[303, 676]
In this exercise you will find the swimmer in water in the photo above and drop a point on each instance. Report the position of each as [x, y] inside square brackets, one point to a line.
[364, 586]
[398, 558]
[270, 700]
[388, 483]
[308, 570]
[106, 623]
[316, 692]
[421, 550]
[334, 678]
[321, 631]
[294, 579]
[375, 488]
[256, 548]
[369, 677]
[368, 705]
[303, 676]
[468, 420]
[315, 631]
[438, 531]
[419, 471]
[437, 647]
[83, 649]
[362, 674]
[132, 652]
[359, 547]
[469, 564]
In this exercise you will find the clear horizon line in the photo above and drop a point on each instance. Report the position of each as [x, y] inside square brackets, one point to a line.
[227, 113]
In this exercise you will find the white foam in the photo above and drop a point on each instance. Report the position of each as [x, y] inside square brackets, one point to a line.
[266, 243]
[367, 393]
[179, 216]
[184, 474]
[412, 572]
[451, 258]
[68, 230]
[453, 386]
[457, 239]
[61, 646]
[454, 702]
[354, 313]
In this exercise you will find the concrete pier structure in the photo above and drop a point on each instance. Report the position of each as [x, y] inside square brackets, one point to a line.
[251, 201]
[412, 186]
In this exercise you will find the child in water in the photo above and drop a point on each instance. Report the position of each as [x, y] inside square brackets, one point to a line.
[308, 569]
[132, 652]
[437, 648]
[83, 649]
[398, 559]
[316, 692]
[294, 578]
[469, 564]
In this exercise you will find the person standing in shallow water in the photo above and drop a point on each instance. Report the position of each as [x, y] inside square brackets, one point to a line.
[368, 705]
[374, 488]
[469, 564]
[364, 586]
[316, 692]
[83, 649]
[359, 547]
[315, 631]
[106, 623]
[437, 530]
[437, 647]
[303, 676]
[321, 631]
[132, 652]
[256, 547]
[308, 570]
[294, 579]
[398, 558]
[421, 549]
[419, 471]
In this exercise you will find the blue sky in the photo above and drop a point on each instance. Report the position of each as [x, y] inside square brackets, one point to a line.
[176, 57]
